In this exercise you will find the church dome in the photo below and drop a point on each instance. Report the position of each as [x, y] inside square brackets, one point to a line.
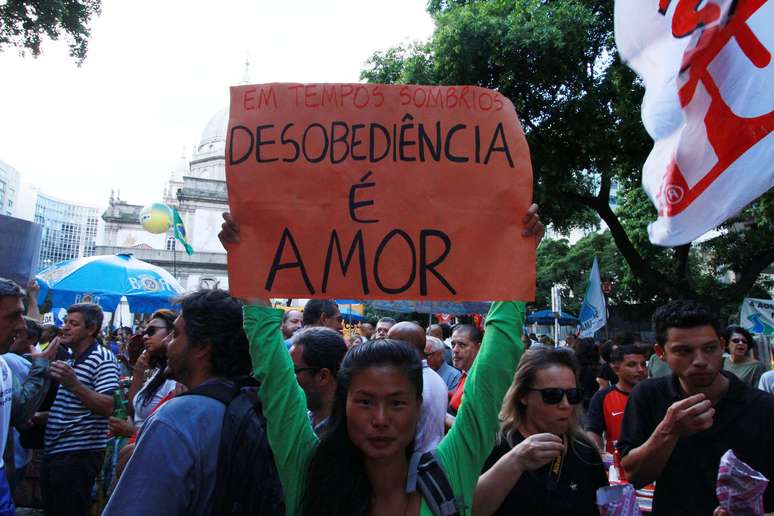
[213, 140]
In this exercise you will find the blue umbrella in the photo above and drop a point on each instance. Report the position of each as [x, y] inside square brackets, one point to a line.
[433, 307]
[546, 318]
[105, 280]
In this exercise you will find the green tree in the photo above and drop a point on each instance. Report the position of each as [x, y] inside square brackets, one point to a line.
[580, 109]
[24, 23]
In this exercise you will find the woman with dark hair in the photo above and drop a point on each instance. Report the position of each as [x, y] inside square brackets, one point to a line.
[740, 360]
[365, 462]
[149, 384]
[360, 465]
[543, 463]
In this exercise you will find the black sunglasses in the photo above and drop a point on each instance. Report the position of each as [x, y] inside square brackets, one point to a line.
[302, 369]
[554, 395]
[150, 331]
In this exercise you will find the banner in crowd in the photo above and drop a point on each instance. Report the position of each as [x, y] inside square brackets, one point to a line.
[593, 312]
[378, 191]
[708, 105]
[20, 250]
[757, 316]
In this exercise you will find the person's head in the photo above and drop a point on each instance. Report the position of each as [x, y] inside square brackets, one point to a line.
[435, 330]
[627, 339]
[292, 320]
[570, 340]
[689, 337]
[27, 337]
[323, 312]
[740, 342]
[586, 352]
[367, 330]
[317, 353]
[410, 333]
[606, 350]
[82, 324]
[466, 342]
[434, 352]
[544, 395]
[49, 332]
[383, 326]
[154, 338]
[157, 335]
[630, 364]
[546, 340]
[533, 337]
[207, 339]
[11, 311]
[355, 340]
[526, 342]
[373, 419]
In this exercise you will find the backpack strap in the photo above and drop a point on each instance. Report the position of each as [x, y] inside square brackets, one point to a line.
[426, 472]
[223, 391]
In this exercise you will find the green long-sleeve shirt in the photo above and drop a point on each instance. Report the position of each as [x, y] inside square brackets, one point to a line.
[461, 453]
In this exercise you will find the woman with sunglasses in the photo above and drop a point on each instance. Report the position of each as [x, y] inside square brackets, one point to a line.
[740, 360]
[149, 384]
[543, 463]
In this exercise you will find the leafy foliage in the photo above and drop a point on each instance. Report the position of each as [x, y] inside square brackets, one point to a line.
[24, 23]
[580, 109]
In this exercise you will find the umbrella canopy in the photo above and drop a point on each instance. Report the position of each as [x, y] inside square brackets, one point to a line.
[546, 317]
[433, 307]
[104, 280]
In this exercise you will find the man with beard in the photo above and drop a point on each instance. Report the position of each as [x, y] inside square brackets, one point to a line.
[179, 444]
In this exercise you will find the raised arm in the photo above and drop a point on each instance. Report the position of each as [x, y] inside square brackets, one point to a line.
[290, 434]
[467, 445]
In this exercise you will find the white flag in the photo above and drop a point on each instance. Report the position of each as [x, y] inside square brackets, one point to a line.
[593, 313]
[709, 107]
[757, 316]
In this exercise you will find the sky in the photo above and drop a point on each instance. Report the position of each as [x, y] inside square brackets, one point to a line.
[156, 72]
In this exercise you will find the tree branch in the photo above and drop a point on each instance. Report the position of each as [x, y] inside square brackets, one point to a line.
[681, 255]
[749, 275]
[637, 264]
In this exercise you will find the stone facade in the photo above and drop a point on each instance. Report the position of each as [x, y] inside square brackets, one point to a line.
[197, 188]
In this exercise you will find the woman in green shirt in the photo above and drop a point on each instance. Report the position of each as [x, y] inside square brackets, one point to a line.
[362, 464]
[740, 360]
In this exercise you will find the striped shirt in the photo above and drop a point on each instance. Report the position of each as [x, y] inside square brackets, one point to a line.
[71, 426]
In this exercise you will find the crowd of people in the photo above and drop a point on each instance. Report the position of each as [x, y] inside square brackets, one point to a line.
[228, 406]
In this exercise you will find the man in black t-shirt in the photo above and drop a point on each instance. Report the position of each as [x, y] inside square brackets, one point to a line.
[676, 428]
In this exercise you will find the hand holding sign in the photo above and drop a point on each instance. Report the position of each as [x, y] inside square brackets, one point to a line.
[377, 192]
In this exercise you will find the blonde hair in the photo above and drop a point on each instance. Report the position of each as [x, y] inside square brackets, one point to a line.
[513, 412]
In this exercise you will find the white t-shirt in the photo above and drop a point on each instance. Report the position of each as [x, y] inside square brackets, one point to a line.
[435, 398]
[766, 383]
[6, 398]
[143, 406]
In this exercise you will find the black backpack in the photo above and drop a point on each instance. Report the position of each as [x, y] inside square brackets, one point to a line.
[247, 479]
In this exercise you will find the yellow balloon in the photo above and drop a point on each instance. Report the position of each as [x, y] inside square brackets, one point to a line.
[156, 218]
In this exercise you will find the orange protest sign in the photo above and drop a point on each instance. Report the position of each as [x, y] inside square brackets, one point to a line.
[373, 191]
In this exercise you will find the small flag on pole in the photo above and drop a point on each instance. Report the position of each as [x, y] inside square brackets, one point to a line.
[180, 232]
[593, 313]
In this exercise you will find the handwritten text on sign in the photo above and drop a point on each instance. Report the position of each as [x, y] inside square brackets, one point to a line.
[378, 192]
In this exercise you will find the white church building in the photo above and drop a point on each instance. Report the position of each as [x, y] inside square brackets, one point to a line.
[197, 188]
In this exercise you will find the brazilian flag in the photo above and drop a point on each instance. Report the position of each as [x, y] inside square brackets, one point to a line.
[180, 232]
